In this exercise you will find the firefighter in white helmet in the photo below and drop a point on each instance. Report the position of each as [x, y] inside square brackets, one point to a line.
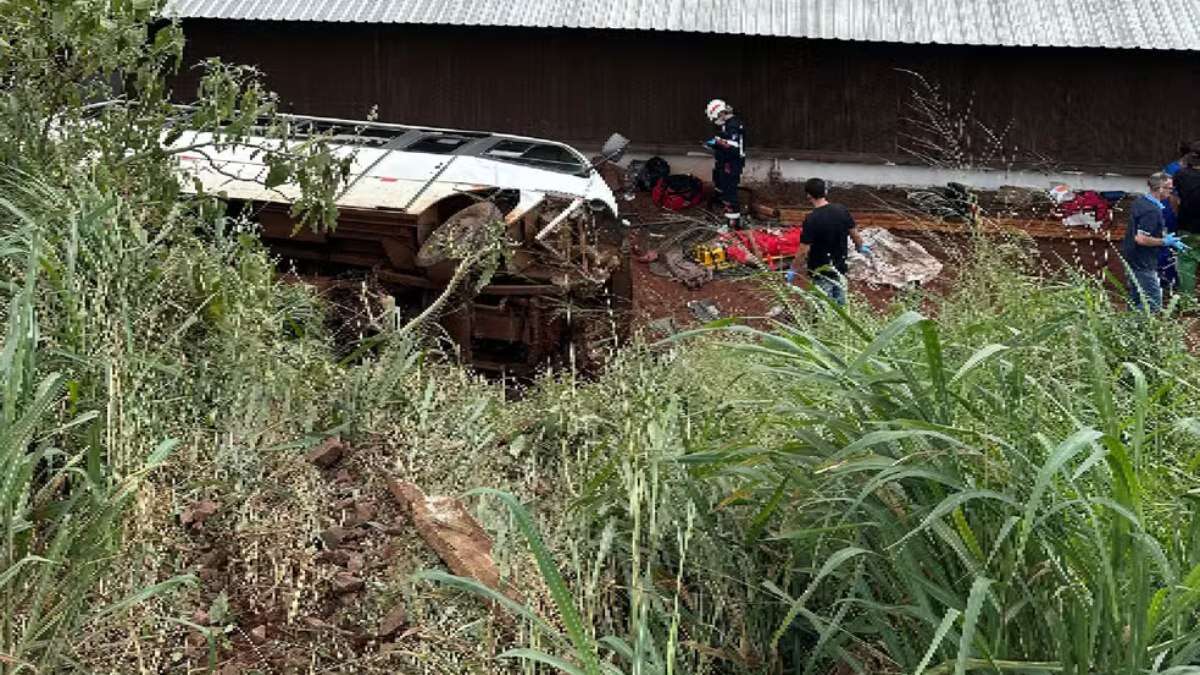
[729, 156]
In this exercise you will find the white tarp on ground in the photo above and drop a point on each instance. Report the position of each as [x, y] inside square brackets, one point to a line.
[894, 261]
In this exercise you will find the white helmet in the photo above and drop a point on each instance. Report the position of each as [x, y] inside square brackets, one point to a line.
[715, 107]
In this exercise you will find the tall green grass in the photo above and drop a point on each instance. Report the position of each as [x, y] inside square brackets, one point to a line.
[651, 563]
[995, 491]
[61, 520]
[142, 324]
[1008, 487]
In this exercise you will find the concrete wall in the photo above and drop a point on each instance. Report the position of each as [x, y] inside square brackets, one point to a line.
[882, 174]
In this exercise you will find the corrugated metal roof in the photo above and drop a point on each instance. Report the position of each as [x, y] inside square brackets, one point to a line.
[1116, 24]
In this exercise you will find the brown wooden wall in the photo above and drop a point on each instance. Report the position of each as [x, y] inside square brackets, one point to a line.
[1085, 108]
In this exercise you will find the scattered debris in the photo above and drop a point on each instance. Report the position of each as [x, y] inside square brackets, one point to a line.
[193, 517]
[345, 582]
[334, 536]
[1060, 193]
[395, 619]
[664, 327]
[955, 202]
[1011, 197]
[704, 310]
[457, 538]
[337, 557]
[213, 559]
[646, 257]
[364, 512]
[195, 644]
[673, 262]
[894, 261]
[317, 623]
[328, 453]
[258, 634]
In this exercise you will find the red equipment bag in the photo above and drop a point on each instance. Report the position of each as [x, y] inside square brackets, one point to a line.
[678, 192]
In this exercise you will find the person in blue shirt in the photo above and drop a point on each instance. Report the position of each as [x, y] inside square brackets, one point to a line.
[1173, 168]
[1168, 270]
[729, 157]
[1144, 238]
[1179, 272]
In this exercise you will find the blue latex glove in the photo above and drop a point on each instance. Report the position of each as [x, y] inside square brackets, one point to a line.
[711, 143]
[790, 276]
[1174, 242]
[865, 249]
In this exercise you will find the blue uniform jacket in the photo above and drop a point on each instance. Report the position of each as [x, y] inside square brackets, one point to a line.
[731, 141]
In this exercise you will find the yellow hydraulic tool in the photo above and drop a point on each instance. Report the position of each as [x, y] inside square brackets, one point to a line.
[712, 255]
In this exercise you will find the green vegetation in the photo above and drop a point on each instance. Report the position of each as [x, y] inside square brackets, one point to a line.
[1009, 488]
[1004, 482]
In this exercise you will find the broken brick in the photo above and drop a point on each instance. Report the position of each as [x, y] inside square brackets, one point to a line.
[395, 619]
[195, 515]
[363, 513]
[215, 558]
[337, 557]
[328, 453]
[194, 644]
[344, 582]
[334, 536]
[457, 538]
[316, 623]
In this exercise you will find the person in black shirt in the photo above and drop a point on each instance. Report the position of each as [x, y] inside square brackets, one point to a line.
[729, 156]
[1187, 185]
[1144, 237]
[826, 230]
